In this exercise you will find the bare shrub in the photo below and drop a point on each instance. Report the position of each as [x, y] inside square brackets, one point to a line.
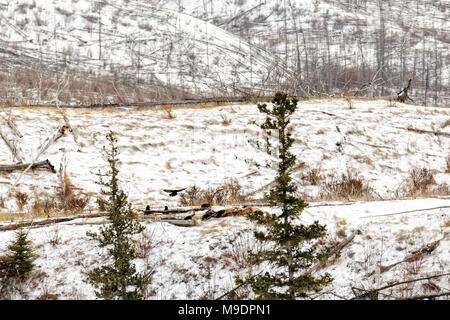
[229, 192]
[349, 185]
[213, 195]
[421, 179]
[65, 200]
[143, 245]
[21, 199]
[234, 190]
[447, 170]
[241, 245]
[191, 196]
[414, 264]
[313, 176]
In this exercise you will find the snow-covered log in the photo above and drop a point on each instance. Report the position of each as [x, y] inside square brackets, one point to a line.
[37, 165]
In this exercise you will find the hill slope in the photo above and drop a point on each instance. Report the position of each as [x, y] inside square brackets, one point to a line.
[88, 52]
[170, 148]
[180, 147]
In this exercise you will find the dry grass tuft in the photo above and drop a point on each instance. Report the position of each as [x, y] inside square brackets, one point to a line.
[62, 202]
[168, 113]
[225, 120]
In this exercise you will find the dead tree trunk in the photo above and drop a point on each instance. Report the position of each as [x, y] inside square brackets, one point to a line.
[402, 96]
[13, 146]
[335, 251]
[47, 143]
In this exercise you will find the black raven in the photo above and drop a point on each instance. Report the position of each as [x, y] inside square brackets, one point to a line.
[172, 192]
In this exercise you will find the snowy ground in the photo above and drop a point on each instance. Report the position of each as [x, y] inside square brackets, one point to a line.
[204, 146]
[201, 261]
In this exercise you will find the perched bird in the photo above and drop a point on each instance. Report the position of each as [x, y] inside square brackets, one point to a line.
[173, 192]
[205, 206]
[147, 210]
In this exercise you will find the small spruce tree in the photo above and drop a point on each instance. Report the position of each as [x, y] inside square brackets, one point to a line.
[119, 279]
[19, 262]
[293, 246]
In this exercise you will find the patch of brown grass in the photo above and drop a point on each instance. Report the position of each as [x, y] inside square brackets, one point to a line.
[69, 200]
[225, 120]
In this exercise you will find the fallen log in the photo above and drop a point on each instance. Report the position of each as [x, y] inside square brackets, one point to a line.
[182, 220]
[37, 165]
[13, 127]
[171, 211]
[373, 293]
[44, 146]
[333, 252]
[176, 222]
[409, 211]
[180, 223]
[167, 217]
[427, 249]
[436, 133]
[429, 296]
[41, 223]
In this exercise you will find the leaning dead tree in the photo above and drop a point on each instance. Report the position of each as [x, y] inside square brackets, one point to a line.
[402, 96]
[60, 132]
[12, 142]
[373, 294]
[13, 147]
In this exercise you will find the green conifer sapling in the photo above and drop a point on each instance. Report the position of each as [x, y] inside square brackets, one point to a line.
[118, 279]
[293, 246]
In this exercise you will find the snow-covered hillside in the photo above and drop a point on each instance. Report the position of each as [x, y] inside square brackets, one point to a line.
[180, 147]
[141, 40]
[215, 47]
[204, 145]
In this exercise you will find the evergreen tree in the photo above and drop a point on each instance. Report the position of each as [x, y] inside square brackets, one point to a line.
[19, 262]
[119, 279]
[293, 246]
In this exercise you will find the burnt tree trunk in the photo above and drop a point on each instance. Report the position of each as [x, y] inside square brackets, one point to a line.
[402, 96]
